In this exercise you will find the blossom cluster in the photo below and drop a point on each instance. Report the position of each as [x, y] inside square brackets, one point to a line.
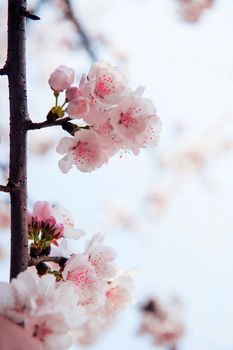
[161, 319]
[71, 296]
[191, 10]
[112, 117]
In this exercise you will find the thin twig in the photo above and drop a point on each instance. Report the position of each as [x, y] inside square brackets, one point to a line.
[54, 259]
[45, 124]
[5, 188]
[69, 14]
[86, 42]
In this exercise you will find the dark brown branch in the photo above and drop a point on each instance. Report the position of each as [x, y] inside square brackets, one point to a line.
[45, 124]
[69, 14]
[16, 67]
[5, 188]
[54, 259]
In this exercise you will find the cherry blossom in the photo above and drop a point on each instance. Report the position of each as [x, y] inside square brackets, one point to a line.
[191, 10]
[63, 216]
[42, 220]
[84, 150]
[118, 296]
[104, 84]
[111, 141]
[119, 293]
[47, 311]
[61, 79]
[101, 257]
[135, 120]
[112, 117]
[91, 290]
[54, 222]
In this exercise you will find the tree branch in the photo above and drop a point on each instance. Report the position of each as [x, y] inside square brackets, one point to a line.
[45, 124]
[54, 259]
[16, 66]
[69, 14]
[4, 188]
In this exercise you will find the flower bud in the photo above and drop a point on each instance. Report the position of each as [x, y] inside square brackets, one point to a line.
[78, 107]
[72, 92]
[61, 79]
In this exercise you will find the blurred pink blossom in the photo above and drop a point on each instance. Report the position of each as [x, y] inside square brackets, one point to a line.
[162, 320]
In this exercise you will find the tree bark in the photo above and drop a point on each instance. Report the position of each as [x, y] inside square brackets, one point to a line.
[16, 71]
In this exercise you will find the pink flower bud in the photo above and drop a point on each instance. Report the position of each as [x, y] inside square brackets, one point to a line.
[61, 79]
[72, 92]
[49, 222]
[78, 107]
[58, 231]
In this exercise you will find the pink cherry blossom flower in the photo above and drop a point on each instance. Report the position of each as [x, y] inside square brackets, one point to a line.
[90, 290]
[111, 141]
[104, 84]
[118, 296]
[61, 79]
[78, 107]
[46, 310]
[119, 293]
[97, 115]
[191, 10]
[84, 150]
[135, 120]
[101, 257]
[63, 216]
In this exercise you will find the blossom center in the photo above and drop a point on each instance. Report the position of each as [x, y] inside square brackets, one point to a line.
[104, 86]
[83, 153]
[128, 119]
[79, 277]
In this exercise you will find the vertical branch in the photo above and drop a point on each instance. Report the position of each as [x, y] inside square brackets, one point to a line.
[16, 70]
[69, 13]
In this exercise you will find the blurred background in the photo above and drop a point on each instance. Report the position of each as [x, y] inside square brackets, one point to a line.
[167, 212]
